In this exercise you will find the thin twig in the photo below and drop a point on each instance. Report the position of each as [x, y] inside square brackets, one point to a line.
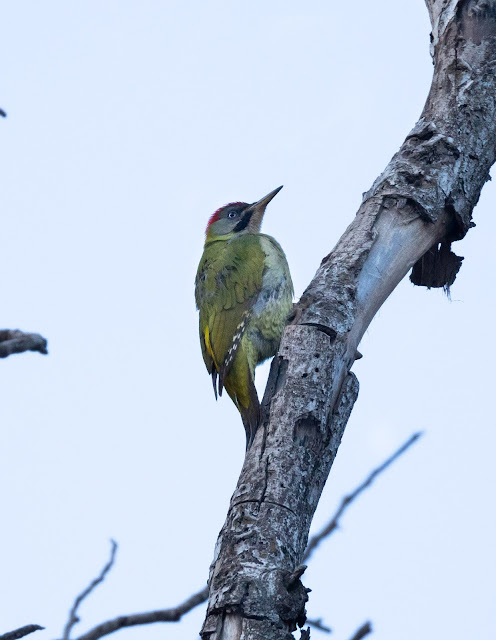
[16, 341]
[174, 614]
[364, 630]
[333, 523]
[21, 632]
[73, 617]
[318, 624]
[162, 615]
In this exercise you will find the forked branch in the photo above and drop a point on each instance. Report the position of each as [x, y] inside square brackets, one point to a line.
[174, 614]
[73, 614]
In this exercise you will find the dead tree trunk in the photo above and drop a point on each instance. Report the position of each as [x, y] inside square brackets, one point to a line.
[421, 203]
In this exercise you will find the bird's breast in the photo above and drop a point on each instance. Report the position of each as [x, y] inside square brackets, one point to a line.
[273, 304]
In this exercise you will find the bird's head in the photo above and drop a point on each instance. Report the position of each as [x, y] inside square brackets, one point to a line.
[238, 217]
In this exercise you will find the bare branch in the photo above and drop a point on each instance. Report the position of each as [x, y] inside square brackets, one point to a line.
[164, 615]
[16, 341]
[21, 632]
[175, 613]
[333, 523]
[318, 624]
[364, 630]
[73, 618]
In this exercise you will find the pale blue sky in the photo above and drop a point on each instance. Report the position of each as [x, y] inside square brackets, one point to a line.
[128, 124]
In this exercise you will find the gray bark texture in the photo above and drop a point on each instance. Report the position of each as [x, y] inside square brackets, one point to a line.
[421, 203]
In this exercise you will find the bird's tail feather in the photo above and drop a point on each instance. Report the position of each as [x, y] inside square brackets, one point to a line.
[240, 386]
[251, 418]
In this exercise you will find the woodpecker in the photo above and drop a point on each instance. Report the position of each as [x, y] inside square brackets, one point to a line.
[244, 293]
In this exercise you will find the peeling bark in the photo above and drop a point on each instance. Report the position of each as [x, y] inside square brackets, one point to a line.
[424, 197]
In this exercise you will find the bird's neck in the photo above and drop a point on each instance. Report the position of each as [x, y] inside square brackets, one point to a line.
[211, 237]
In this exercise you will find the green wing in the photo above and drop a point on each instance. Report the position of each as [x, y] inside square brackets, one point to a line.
[228, 282]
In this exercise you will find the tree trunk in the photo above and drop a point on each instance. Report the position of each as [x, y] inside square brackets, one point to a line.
[424, 197]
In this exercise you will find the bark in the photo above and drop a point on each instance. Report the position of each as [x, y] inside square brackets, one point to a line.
[424, 197]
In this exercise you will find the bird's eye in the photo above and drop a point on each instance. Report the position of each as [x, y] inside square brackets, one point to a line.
[232, 214]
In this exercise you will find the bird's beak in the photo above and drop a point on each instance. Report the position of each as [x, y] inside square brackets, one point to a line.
[257, 210]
